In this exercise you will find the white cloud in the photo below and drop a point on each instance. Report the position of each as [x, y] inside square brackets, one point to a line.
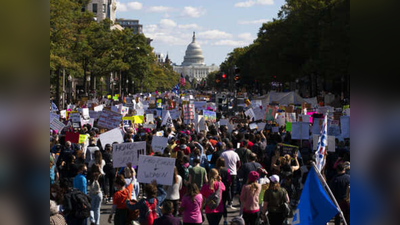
[135, 5]
[193, 12]
[231, 43]
[214, 34]
[189, 26]
[246, 36]
[125, 7]
[261, 21]
[251, 3]
[167, 23]
[159, 9]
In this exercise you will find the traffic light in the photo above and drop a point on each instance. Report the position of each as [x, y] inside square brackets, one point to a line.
[224, 76]
[218, 78]
[237, 76]
[224, 79]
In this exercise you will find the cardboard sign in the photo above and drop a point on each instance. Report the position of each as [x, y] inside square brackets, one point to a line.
[345, 125]
[160, 169]
[159, 143]
[95, 115]
[114, 135]
[201, 105]
[261, 126]
[89, 121]
[287, 149]
[128, 153]
[270, 113]
[57, 125]
[85, 113]
[109, 119]
[300, 131]
[280, 119]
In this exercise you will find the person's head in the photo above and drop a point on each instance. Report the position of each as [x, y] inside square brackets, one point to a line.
[53, 208]
[252, 157]
[274, 182]
[196, 152]
[167, 207]
[192, 190]
[212, 177]
[108, 148]
[182, 141]
[95, 171]
[82, 169]
[150, 190]
[129, 172]
[341, 168]
[229, 145]
[245, 143]
[185, 159]
[68, 144]
[220, 163]
[196, 161]
[252, 177]
[119, 182]
[149, 149]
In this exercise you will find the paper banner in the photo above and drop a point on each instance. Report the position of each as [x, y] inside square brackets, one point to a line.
[114, 135]
[160, 169]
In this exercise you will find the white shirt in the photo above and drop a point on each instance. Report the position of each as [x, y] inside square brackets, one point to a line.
[173, 190]
[231, 159]
[103, 163]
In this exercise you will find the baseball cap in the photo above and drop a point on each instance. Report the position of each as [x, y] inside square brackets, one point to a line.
[274, 178]
[253, 176]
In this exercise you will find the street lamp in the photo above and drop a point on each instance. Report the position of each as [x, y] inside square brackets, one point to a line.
[87, 85]
[133, 87]
[70, 88]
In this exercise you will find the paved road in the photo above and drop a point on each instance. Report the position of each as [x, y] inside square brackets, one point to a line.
[106, 208]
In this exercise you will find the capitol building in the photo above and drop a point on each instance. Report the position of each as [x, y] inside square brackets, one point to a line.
[193, 63]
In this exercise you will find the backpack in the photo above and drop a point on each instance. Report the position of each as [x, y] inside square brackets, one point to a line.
[151, 214]
[78, 204]
[214, 199]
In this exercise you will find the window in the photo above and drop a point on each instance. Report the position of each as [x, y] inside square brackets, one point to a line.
[94, 8]
[104, 8]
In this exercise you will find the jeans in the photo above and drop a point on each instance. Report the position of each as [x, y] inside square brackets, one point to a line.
[95, 205]
[214, 218]
[225, 196]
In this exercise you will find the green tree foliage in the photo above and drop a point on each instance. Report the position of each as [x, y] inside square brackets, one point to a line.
[308, 37]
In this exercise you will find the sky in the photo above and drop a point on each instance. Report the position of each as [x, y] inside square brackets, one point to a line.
[220, 25]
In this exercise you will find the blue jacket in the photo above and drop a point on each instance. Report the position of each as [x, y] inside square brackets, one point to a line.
[80, 183]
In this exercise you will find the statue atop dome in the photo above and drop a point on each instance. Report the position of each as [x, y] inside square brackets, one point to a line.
[194, 37]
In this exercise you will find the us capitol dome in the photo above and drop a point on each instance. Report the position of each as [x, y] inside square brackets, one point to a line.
[193, 63]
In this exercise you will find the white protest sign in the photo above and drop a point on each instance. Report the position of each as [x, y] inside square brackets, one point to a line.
[259, 113]
[63, 114]
[345, 125]
[331, 144]
[200, 105]
[346, 112]
[261, 126]
[290, 117]
[152, 168]
[280, 119]
[57, 125]
[317, 125]
[128, 153]
[275, 129]
[149, 118]
[202, 124]
[139, 112]
[174, 114]
[167, 120]
[159, 143]
[98, 108]
[253, 126]
[109, 119]
[250, 113]
[114, 135]
[85, 113]
[150, 126]
[300, 131]
[224, 122]
[95, 115]
[89, 121]
[305, 118]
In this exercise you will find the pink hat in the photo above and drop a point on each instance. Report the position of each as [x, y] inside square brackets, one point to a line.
[253, 176]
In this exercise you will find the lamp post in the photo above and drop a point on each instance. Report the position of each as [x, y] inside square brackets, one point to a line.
[101, 86]
[126, 86]
[133, 87]
[88, 85]
[70, 89]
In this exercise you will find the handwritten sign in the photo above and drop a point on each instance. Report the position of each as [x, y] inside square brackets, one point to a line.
[159, 143]
[253, 126]
[287, 149]
[128, 153]
[75, 117]
[210, 116]
[250, 113]
[109, 119]
[167, 120]
[300, 131]
[83, 139]
[57, 125]
[291, 117]
[152, 168]
[201, 105]
[260, 126]
[114, 135]
[259, 114]
[138, 119]
[280, 119]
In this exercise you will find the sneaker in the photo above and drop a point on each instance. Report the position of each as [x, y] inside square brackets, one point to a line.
[225, 223]
[230, 207]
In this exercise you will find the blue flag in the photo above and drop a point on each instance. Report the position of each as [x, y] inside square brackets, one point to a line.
[176, 89]
[315, 206]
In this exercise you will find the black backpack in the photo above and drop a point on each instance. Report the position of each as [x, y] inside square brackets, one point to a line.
[77, 204]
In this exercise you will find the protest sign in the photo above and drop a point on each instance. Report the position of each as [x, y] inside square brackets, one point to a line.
[300, 131]
[210, 116]
[72, 137]
[261, 126]
[315, 141]
[223, 122]
[311, 116]
[109, 119]
[128, 153]
[250, 113]
[202, 124]
[138, 119]
[288, 126]
[123, 110]
[167, 120]
[188, 112]
[114, 135]
[270, 113]
[333, 128]
[259, 114]
[150, 126]
[127, 121]
[275, 129]
[95, 115]
[345, 125]
[200, 105]
[152, 168]
[83, 139]
[75, 117]
[317, 125]
[253, 126]
[305, 118]
[159, 143]
[149, 118]
[291, 117]
[287, 149]
[85, 113]
[331, 144]
[57, 125]
[90, 121]
[280, 119]
[63, 114]
[139, 112]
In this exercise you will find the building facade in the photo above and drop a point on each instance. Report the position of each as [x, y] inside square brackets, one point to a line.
[193, 63]
[131, 24]
[103, 9]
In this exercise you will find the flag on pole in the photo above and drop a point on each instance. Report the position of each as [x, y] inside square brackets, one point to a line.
[176, 89]
[183, 81]
[322, 143]
[315, 206]
[54, 107]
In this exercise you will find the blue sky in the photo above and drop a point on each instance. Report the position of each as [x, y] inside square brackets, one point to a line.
[220, 25]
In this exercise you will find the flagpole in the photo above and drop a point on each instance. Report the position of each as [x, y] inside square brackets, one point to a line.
[322, 179]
